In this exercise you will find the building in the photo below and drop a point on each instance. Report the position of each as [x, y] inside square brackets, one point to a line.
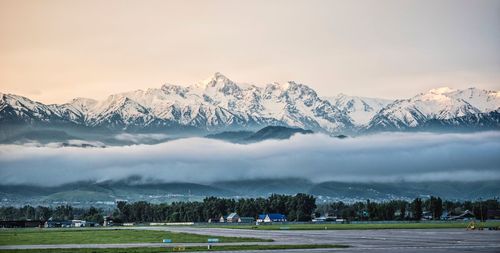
[78, 223]
[233, 217]
[319, 219]
[220, 219]
[275, 217]
[108, 221]
[58, 224]
[271, 217]
[246, 220]
[261, 218]
[324, 218]
[82, 223]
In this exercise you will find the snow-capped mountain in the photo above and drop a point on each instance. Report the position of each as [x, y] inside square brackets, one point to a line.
[18, 108]
[437, 104]
[360, 109]
[219, 104]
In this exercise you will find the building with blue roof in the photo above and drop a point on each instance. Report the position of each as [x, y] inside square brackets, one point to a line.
[271, 217]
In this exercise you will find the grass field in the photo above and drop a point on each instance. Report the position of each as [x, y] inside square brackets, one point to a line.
[183, 249]
[101, 236]
[363, 226]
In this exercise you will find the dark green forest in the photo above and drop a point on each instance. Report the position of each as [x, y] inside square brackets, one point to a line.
[297, 208]
[300, 207]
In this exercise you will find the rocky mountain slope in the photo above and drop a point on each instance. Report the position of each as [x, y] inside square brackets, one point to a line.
[444, 105]
[360, 109]
[219, 104]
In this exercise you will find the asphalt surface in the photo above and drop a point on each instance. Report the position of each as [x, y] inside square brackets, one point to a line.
[374, 241]
[390, 240]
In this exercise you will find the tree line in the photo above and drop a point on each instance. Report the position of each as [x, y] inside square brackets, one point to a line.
[297, 208]
[43, 213]
[434, 207]
[301, 207]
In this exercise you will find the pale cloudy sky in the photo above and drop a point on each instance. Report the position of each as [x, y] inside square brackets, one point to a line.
[56, 50]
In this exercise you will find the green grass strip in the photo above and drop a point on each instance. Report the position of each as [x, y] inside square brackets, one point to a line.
[104, 236]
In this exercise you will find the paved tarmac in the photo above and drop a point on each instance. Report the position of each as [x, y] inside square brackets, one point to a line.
[389, 240]
[373, 241]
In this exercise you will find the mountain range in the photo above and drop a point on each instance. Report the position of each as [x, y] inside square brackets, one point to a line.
[219, 104]
[107, 192]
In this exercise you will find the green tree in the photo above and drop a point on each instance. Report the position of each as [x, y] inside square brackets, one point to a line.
[416, 207]
[436, 207]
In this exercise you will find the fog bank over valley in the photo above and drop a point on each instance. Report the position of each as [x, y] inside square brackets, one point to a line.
[384, 157]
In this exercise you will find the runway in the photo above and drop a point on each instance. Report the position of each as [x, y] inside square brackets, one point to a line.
[390, 240]
[374, 241]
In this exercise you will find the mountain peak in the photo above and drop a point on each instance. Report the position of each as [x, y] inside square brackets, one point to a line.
[218, 83]
[282, 86]
[168, 86]
[215, 80]
[343, 95]
[441, 90]
[82, 100]
[217, 75]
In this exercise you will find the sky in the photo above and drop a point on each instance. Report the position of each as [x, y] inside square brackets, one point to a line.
[386, 157]
[52, 50]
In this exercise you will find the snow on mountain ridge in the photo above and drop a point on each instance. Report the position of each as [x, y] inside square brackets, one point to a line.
[441, 90]
[219, 103]
[484, 100]
[26, 109]
[440, 104]
[360, 109]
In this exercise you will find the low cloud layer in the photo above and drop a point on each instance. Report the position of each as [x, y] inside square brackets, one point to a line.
[140, 138]
[377, 158]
